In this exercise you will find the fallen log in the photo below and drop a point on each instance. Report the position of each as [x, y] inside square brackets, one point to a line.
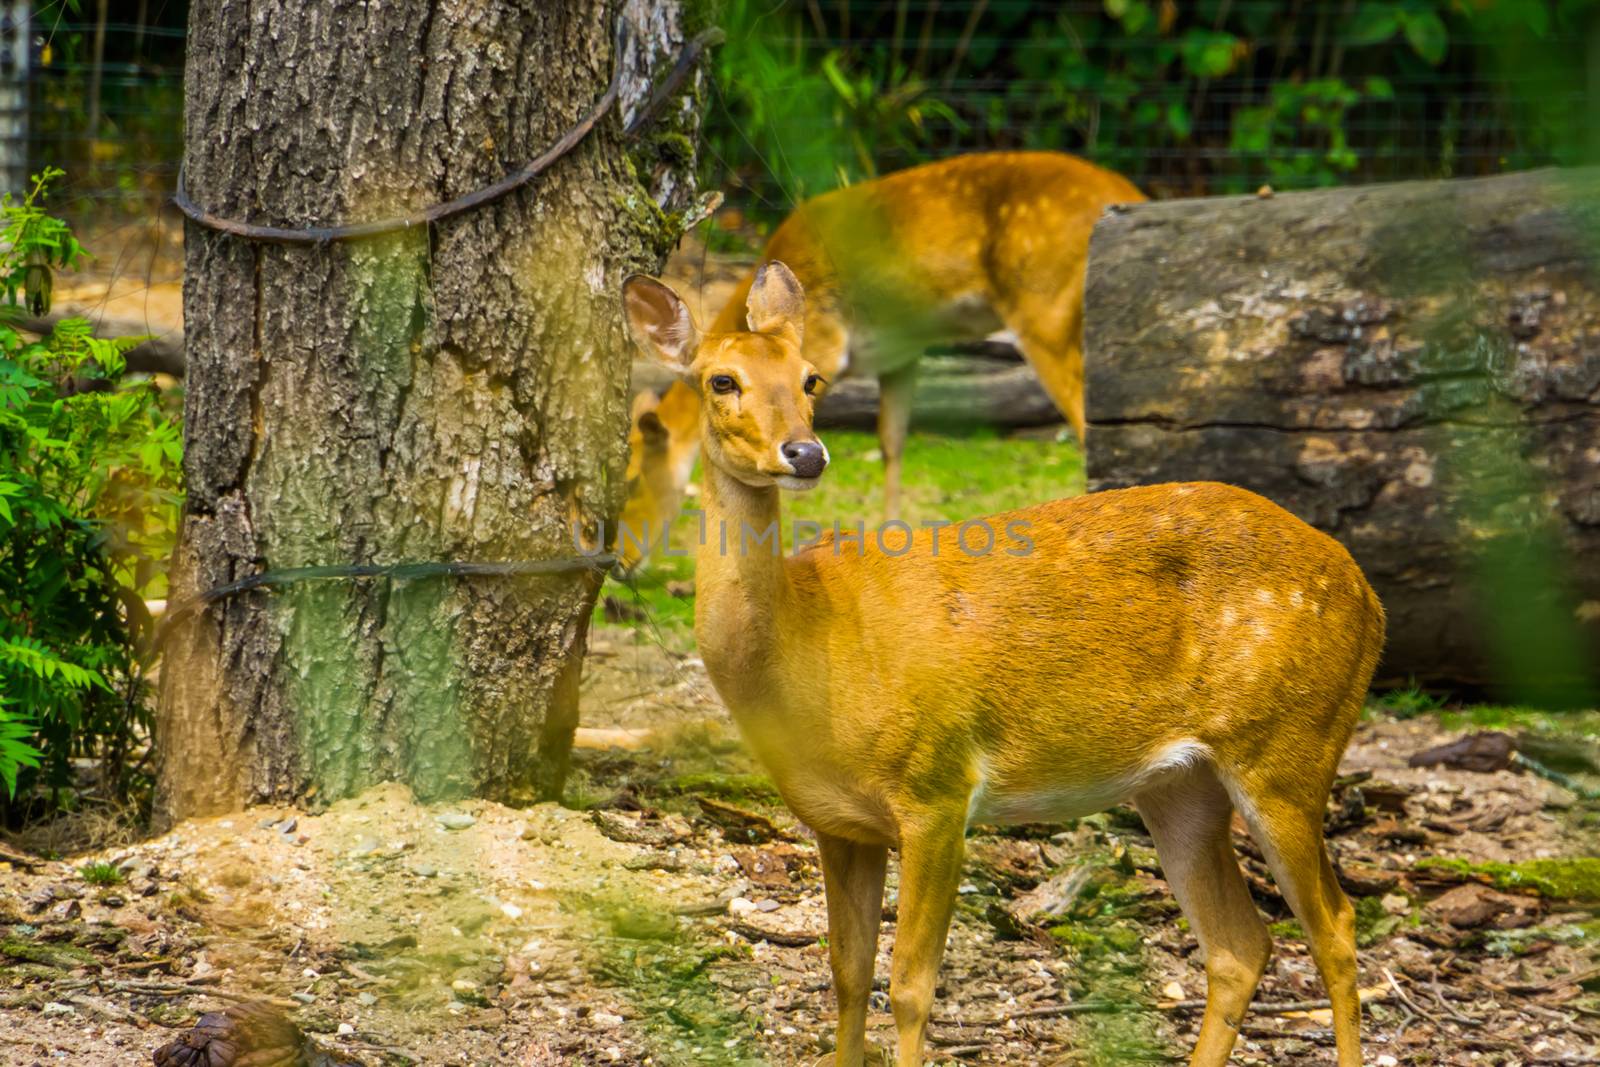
[958, 386]
[1414, 368]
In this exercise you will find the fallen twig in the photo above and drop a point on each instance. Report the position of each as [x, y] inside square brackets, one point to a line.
[106, 1010]
[1405, 998]
[1438, 995]
[1570, 978]
[709, 907]
[1106, 1007]
[788, 939]
[20, 859]
[167, 989]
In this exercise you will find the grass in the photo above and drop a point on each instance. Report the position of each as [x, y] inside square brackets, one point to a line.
[1509, 717]
[944, 478]
[101, 873]
[1407, 703]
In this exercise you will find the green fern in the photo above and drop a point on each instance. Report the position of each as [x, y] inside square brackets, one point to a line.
[15, 750]
[90, 493]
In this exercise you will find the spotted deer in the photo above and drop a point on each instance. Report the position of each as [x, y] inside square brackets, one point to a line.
[951, 250]
[1193, 648]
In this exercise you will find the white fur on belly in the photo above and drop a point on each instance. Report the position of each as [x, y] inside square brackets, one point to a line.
[991, 802]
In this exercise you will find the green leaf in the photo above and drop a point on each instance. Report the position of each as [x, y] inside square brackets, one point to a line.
[1372, 24]
[836, 78]
[1178, 121]
[1428, 37]
[1209, 54]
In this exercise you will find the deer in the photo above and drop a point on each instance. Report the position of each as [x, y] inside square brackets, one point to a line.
[662, 447]
[957, 249]
[1193, 648]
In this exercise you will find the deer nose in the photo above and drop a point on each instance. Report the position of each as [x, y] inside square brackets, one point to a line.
[806, 458]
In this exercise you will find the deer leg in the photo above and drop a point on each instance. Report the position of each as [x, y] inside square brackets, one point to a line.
[1290, 836]
[1188, 818]
[931, 850]
[853, 876]
[894, 418]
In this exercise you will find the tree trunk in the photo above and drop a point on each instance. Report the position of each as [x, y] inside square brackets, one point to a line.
[1412, 368]
[454, 392]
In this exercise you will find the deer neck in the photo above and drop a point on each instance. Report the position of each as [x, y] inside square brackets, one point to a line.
[741, 590]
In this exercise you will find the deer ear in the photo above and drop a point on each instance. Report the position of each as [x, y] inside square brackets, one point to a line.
[777, 301]
[659, 322]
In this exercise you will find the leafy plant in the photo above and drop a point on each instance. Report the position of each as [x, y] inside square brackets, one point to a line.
[1193, 98]
[89, 497]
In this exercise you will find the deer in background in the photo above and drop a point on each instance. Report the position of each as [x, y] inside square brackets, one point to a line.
[1193, 648]
[950, 250]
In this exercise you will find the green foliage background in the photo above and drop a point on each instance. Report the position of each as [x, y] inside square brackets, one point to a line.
[1184, 98]
[89, 499]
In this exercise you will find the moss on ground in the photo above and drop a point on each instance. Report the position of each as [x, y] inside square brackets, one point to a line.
[1108, 947]
[726, 786]
[1575, 878]
[61, 956]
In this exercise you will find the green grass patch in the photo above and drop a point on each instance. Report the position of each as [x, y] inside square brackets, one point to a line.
[1373, 924]
[1575, 878]
[1289, 929]
[1407, 703]
[1511, 717]
[945, 477]
[101, 874]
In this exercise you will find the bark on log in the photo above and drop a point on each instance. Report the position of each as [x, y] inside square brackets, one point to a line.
[980, 384]
[1413, 368]
[454, 392]
[951, 393]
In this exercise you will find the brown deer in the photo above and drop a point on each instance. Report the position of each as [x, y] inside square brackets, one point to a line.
[949, 250]
[1193, 648]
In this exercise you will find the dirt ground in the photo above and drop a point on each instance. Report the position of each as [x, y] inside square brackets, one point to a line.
[677, 919]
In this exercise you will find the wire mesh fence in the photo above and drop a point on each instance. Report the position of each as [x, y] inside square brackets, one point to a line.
[105, 103]
[1186, 99]
[1209, 97]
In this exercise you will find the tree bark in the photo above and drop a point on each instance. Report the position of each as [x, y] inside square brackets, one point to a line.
[1413, 368]
[454, 393]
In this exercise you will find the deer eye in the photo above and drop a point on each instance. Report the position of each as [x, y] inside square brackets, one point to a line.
[724, 383]
[812, 381]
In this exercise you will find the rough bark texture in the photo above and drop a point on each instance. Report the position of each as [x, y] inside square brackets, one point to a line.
[457, 393]
[1413, 368]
